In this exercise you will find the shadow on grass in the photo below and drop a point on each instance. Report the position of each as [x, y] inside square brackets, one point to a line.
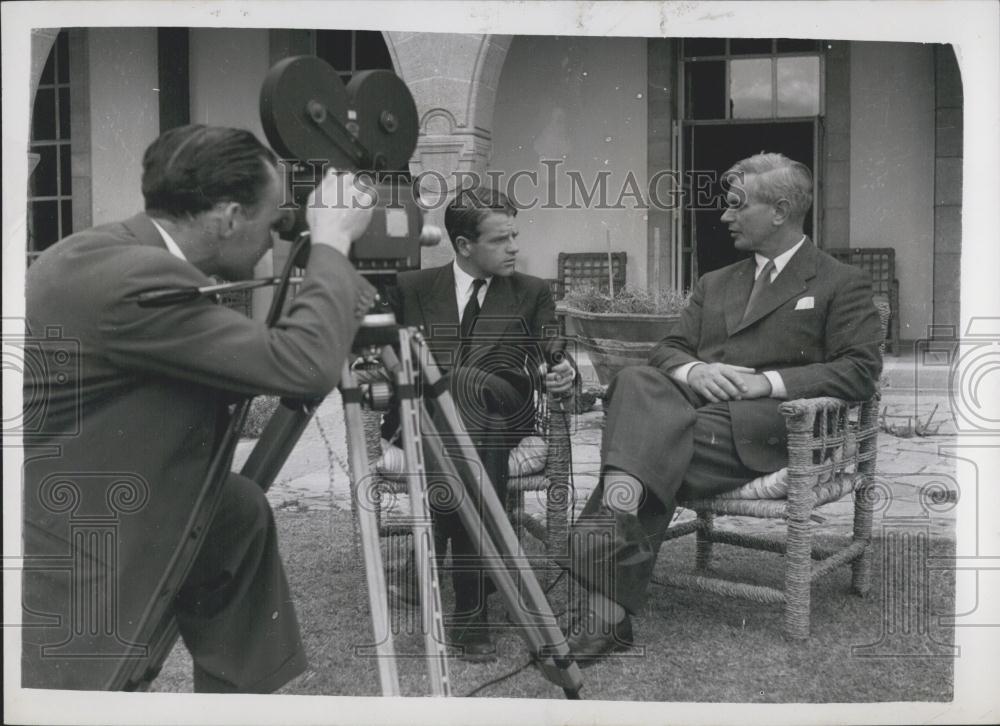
[697, 647]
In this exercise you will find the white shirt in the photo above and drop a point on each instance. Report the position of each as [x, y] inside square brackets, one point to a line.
[778, 390]
[463, 288]
[168, 241]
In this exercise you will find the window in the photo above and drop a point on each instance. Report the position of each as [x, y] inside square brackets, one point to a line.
[350, 51]
[751, 78]
[50, 185]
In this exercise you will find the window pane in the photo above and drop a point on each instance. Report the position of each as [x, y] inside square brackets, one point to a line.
[704, 46]
[65, 171]
[706, 89]
[750, 88]
[334, 46]
[371, 51]
[43, 180]
[745, 46]
[797, 45]
[62, 44]
[798, 86]
[48, 72]
[67, 217]
[63, 113]
[43, 228]
[43, 117]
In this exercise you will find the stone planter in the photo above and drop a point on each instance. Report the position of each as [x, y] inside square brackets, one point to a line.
[616, 340]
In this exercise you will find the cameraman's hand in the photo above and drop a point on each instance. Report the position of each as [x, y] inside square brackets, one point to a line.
[338, 212]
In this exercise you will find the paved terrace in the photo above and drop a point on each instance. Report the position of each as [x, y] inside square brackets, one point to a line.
[911, 467]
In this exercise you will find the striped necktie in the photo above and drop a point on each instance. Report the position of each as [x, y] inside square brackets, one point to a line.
[760, 284]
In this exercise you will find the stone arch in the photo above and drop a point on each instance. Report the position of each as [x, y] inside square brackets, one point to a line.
[453, 78]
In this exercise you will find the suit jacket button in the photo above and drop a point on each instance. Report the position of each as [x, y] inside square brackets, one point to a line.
[772, 440]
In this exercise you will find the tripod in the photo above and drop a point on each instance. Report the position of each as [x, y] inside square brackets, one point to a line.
[451, 454]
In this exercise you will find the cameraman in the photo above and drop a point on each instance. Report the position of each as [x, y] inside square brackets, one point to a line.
[151, 404]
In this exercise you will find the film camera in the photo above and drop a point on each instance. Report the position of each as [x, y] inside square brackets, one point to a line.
[313, 121]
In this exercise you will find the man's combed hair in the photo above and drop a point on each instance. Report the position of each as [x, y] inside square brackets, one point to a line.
[470, 207]
[775, 177]
[190, 169]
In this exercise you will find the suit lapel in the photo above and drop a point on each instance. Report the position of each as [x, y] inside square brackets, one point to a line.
[438, 300]
[499, 309]
[789, 283]
[737, 294]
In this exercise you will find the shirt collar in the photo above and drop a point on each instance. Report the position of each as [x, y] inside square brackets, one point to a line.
[780, 261]
[168, 241]
[463, 280]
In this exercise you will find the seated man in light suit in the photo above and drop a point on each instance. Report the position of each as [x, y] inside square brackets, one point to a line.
[490, 328]
[789, 322]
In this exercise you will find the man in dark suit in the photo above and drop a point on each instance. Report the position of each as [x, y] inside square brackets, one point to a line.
[127, 447]
[702, 416]
[490, 328]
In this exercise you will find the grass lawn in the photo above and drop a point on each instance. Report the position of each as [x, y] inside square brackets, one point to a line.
[695, 646]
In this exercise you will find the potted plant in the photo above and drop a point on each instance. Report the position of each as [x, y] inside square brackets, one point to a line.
[622, 330]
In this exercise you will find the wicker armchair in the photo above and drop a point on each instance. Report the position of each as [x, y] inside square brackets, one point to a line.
[832, 448]
[545, 468]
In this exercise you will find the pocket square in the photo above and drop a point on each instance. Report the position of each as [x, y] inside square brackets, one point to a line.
[805, 303]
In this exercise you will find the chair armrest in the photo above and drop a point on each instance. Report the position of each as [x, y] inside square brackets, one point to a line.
[827, 434]
[558, 413]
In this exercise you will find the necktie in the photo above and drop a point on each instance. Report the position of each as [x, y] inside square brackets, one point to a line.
[760, 284]
[471, 311]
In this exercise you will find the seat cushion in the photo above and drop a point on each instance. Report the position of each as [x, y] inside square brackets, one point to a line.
[775, 484]
[527, 458]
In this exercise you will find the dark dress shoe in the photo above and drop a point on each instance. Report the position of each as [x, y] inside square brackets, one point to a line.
[590, 639]
[470, 635]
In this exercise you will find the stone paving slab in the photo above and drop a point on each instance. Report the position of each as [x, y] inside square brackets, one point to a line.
[913, 476]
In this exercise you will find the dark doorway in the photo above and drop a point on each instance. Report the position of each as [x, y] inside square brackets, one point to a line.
[711, 149]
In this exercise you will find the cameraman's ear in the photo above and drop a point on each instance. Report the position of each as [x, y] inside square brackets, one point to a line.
[226, 217]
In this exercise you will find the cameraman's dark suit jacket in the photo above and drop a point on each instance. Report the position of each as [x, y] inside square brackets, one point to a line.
[145, 404]
[816, 325]
[513, 334]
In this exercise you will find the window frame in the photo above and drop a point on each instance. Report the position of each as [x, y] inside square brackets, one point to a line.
[63, 145]
[728, 57]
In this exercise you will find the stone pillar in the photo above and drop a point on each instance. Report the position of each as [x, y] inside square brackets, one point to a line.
[948, 155]
[661, 112]
[453, 78]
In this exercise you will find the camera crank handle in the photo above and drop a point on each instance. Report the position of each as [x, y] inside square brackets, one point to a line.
[340, 135]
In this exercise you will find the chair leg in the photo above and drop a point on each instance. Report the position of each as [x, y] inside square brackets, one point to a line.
[703, 540]
[861, 568]
[798, 567]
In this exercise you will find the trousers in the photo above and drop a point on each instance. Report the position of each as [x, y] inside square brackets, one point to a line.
[677, 444]
[234, 609]
[497, 410]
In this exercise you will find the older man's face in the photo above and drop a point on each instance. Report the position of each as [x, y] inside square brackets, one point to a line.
[751, 223]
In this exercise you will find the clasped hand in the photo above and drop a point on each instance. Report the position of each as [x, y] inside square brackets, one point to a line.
[559, 378]
[723, 382]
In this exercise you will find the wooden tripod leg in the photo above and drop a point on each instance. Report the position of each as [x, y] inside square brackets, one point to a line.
[362, 489]
[552, 650]
[423, 539]
[510, 572]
